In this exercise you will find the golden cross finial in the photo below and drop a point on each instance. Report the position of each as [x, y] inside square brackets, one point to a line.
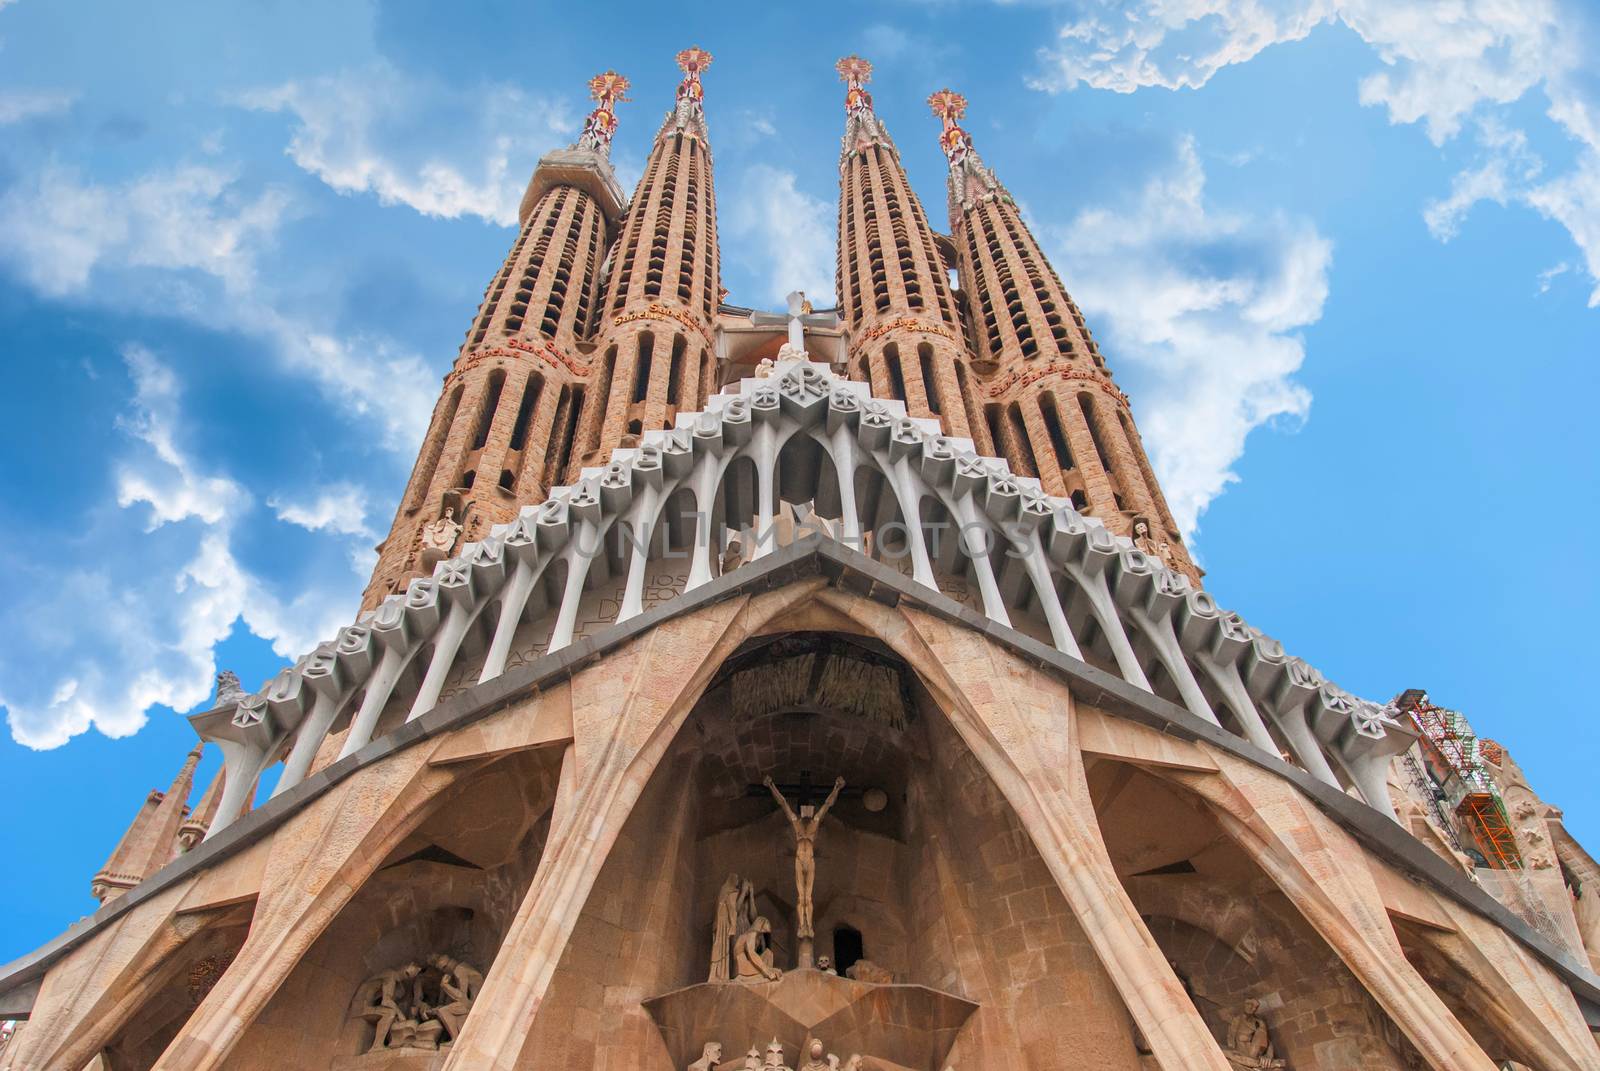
[693, 60]
[854, 70]
[609, 87]
[948, 105]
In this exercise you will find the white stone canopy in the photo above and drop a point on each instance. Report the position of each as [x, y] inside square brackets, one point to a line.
[862, 466]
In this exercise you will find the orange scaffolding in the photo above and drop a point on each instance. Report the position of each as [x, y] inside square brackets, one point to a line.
[1455, 759]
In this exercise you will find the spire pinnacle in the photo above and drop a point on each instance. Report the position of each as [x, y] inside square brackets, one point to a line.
[607, 89]
[688, 113]
[970, 180]
[862, 127]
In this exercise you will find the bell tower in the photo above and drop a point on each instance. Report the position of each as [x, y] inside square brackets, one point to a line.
[654, 351]
[1049, 404]
[894, 291]
[502, 430]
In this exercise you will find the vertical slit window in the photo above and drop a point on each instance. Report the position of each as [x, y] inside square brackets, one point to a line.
[1058, 440]
[1086, 403]
[675, 370]
[491, 402]
[641, 367]
[530, 398]
[930, 384]
[897, 376]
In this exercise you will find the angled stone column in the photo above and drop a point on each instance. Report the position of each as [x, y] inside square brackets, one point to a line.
[1325, 874]
[625, 715]
[1020, 727]
[315, 865]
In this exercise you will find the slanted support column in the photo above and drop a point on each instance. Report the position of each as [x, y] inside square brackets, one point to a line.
[1021, 727]
[1324, 873]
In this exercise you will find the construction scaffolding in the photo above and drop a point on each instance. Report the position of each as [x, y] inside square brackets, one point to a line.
[1454, 760]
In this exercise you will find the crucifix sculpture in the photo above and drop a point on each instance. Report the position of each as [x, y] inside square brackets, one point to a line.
[805, 860]
[798, 318]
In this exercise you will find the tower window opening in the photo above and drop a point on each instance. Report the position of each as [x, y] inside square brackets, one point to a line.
[430, 462]
[1019, 428]
[470, 478]
[602, 393]
[930, 385]
[1086, 403]
[530, 398]
[675, 370]
[641, 368]
[563, 430]
[491, 402]
[1052, 424]
[991, 417]
[506, 479]
[897, 376]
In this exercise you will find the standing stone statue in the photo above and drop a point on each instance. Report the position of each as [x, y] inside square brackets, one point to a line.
[775, 1056]
[805, 859]
[815, 1060]
[710, 1056]
[1249, 1045]
[726, 925]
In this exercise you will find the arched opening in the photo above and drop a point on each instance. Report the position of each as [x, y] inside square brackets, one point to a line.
[848, 948]
[434, 912]
[925, 886]
[1227, 930]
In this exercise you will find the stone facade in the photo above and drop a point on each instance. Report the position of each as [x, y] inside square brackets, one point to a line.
[779, 719]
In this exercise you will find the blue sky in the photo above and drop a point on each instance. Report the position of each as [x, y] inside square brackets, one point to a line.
[1343, 256]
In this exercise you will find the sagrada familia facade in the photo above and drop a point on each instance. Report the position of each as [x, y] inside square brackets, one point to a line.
[808, 689]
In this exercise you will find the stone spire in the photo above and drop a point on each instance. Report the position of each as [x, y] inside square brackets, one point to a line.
[194, 827]
[862, 127]
[502, 430]
[607, 89]
[152, 839]
[654, 352]
[894, 293]
[1049, 404]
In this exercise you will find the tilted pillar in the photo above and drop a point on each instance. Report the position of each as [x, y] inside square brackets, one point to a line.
[654, 350]
[893, 284]
[152, 840]
[502, 431]
[1049, 404]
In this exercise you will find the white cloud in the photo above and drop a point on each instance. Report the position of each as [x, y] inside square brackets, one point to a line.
[441, 150]
[18, 105]
[203, 236]
[164, 478]
[785, 236]
[339, 508]
[1510, 165]
[1442, 64]
[133, 622]
[1201, 307]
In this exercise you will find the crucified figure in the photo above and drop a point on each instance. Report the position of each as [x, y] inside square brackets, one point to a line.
[805, 851]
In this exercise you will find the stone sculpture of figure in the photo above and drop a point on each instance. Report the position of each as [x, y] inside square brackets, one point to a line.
[726, 925]
[439, 536]
[815, 1060]
[1249, 1045]
[710, 1056]
[805, 850]
[752, 962]
[1142, 539]
[733, 556]
[864, 970]
[458, 988]
[765, 367]
[752, 1059]
[825, 965]
[775, 1057]
[381, 1004]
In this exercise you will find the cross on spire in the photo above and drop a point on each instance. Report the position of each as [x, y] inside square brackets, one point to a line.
[607, 89]
[949, 106]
